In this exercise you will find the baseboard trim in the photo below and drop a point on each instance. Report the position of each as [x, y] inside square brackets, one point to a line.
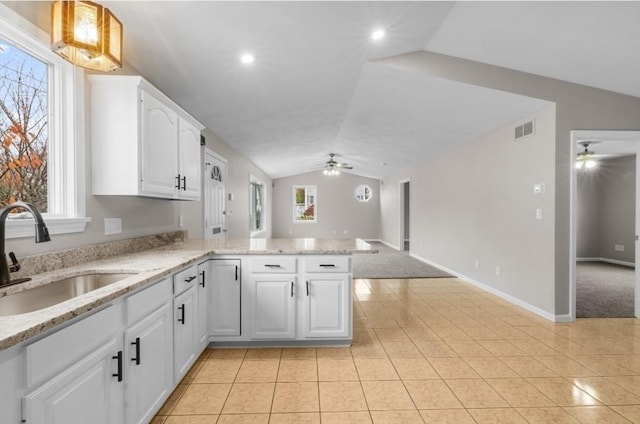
[393, 246]
[607, 260]
[529, 307]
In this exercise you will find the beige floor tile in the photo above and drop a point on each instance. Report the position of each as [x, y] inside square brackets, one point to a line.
[497, 416]
[435, 349]
[630, 412]
[375, 369]
[160, 419]
[190, 375]
[258, 371]
[502, 348]
[520, 393]
[606, 391]
[372, 351]
[431, 394]
[547, 416]
[334, 352]
[171, 402]
[202, 399]
[227, 353]
[218, 371]
[567, 367]
[337, 370]
[191, 419]
[468, 348]
[345, 417]
[401, 349]
[596, 414]
[298, 370]
[446, 416]
[476, 393]
[263, 353]
[490, 367]
[533, 347]
[453, 368]
[420, 333]
[299, 353]
[396, 417]
[244, 419]
[629, 382]
[246, 398]
[391, 334]
[296, 397]
[528, 367]
[342, 396]
[562, 392]
[295, 418]
[386, 396]
[414, 369]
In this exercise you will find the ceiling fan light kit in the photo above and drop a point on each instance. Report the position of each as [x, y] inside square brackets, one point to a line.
[585, 159]
[332, 167]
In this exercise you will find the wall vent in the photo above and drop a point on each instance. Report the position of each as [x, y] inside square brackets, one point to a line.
[523, 130]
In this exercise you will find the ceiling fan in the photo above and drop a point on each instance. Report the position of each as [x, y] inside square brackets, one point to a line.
[585, 159]
[332, 167]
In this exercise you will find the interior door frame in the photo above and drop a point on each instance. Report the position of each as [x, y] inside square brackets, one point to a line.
[576, 135]
[401, 184]
[208, 151]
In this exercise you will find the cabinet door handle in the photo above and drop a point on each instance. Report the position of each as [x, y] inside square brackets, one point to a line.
[272, 266]
[181, 319]
[307, 287]
[178, 179]
[292, 289]
[190, 279]
[236, 272]
[184, 183]
[202, 274]
[137, 345]
[119, 358]
[327, 266]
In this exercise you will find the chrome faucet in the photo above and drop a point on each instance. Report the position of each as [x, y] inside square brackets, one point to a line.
[42, 235]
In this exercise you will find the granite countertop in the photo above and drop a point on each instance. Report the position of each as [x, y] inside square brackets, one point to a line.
[149, 266]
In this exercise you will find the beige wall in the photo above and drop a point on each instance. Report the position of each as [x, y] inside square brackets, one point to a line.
[577, 107]
[340, 215]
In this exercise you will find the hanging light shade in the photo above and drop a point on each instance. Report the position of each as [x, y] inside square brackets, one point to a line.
[86, 34]
[585, 159]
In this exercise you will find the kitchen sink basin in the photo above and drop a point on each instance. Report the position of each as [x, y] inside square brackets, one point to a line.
[55, 292]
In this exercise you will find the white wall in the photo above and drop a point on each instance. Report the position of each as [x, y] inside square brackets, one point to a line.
[339, 214]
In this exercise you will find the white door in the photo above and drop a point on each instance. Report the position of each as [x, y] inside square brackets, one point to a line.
[274, 307]
[189, 160]
[215, 180]
[224, 295]
[326, 302]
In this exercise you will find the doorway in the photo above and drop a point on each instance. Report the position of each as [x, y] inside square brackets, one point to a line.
[405, 223]
[600, 267]
[215, 182]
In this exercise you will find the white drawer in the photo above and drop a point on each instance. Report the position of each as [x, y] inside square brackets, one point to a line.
[273, 265]
[184, 279]
[325, 263]
[147, 300]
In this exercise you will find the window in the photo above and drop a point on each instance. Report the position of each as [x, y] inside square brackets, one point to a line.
[363, 193]
[257, 205]
[305, 204]
[41, 115]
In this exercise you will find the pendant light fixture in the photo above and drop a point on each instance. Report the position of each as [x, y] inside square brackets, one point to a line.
[86, 34]
[585, 159]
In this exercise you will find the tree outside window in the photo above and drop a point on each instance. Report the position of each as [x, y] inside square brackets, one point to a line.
[257, 205]
[304, 204]
[23, 127]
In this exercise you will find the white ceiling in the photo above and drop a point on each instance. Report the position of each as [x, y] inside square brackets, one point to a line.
[313, 89]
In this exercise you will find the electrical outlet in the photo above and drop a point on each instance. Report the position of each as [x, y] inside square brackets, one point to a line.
[498, 270]
[539, 214]
[112, 226]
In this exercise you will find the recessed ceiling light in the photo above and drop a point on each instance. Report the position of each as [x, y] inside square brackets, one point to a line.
[377, 34]
[247, 58]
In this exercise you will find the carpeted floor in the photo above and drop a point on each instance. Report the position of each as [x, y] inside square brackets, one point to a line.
[604, 290]
[390, 263]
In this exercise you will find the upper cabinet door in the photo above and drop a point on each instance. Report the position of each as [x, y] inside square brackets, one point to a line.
[189, 160]
[159, 173]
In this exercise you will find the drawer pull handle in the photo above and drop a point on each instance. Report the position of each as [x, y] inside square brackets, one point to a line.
[190, 279]
[137, 345]
[181, 319]
[119, 373]
[272, 266]
[327, 266]
[292, 289]
[307, 287]
[202, 274]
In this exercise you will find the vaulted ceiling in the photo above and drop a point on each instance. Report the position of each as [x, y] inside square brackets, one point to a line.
[315, 88]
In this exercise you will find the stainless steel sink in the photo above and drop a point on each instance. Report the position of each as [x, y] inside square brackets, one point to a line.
[58, 291]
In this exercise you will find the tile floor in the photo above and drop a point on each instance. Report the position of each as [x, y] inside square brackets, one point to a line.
[426, 351]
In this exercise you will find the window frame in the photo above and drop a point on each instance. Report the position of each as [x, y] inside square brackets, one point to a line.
[315, 204]
[66, 191]
[255, 181]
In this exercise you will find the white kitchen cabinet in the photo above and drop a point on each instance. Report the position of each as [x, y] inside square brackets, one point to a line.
[143, 144]
[90, 391]
[274, 306]
[224, 297]
[149, 365]
[185, 327]
[327, 305]
[204, 281]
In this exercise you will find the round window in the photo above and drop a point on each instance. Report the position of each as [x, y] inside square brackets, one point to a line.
[363, 193]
